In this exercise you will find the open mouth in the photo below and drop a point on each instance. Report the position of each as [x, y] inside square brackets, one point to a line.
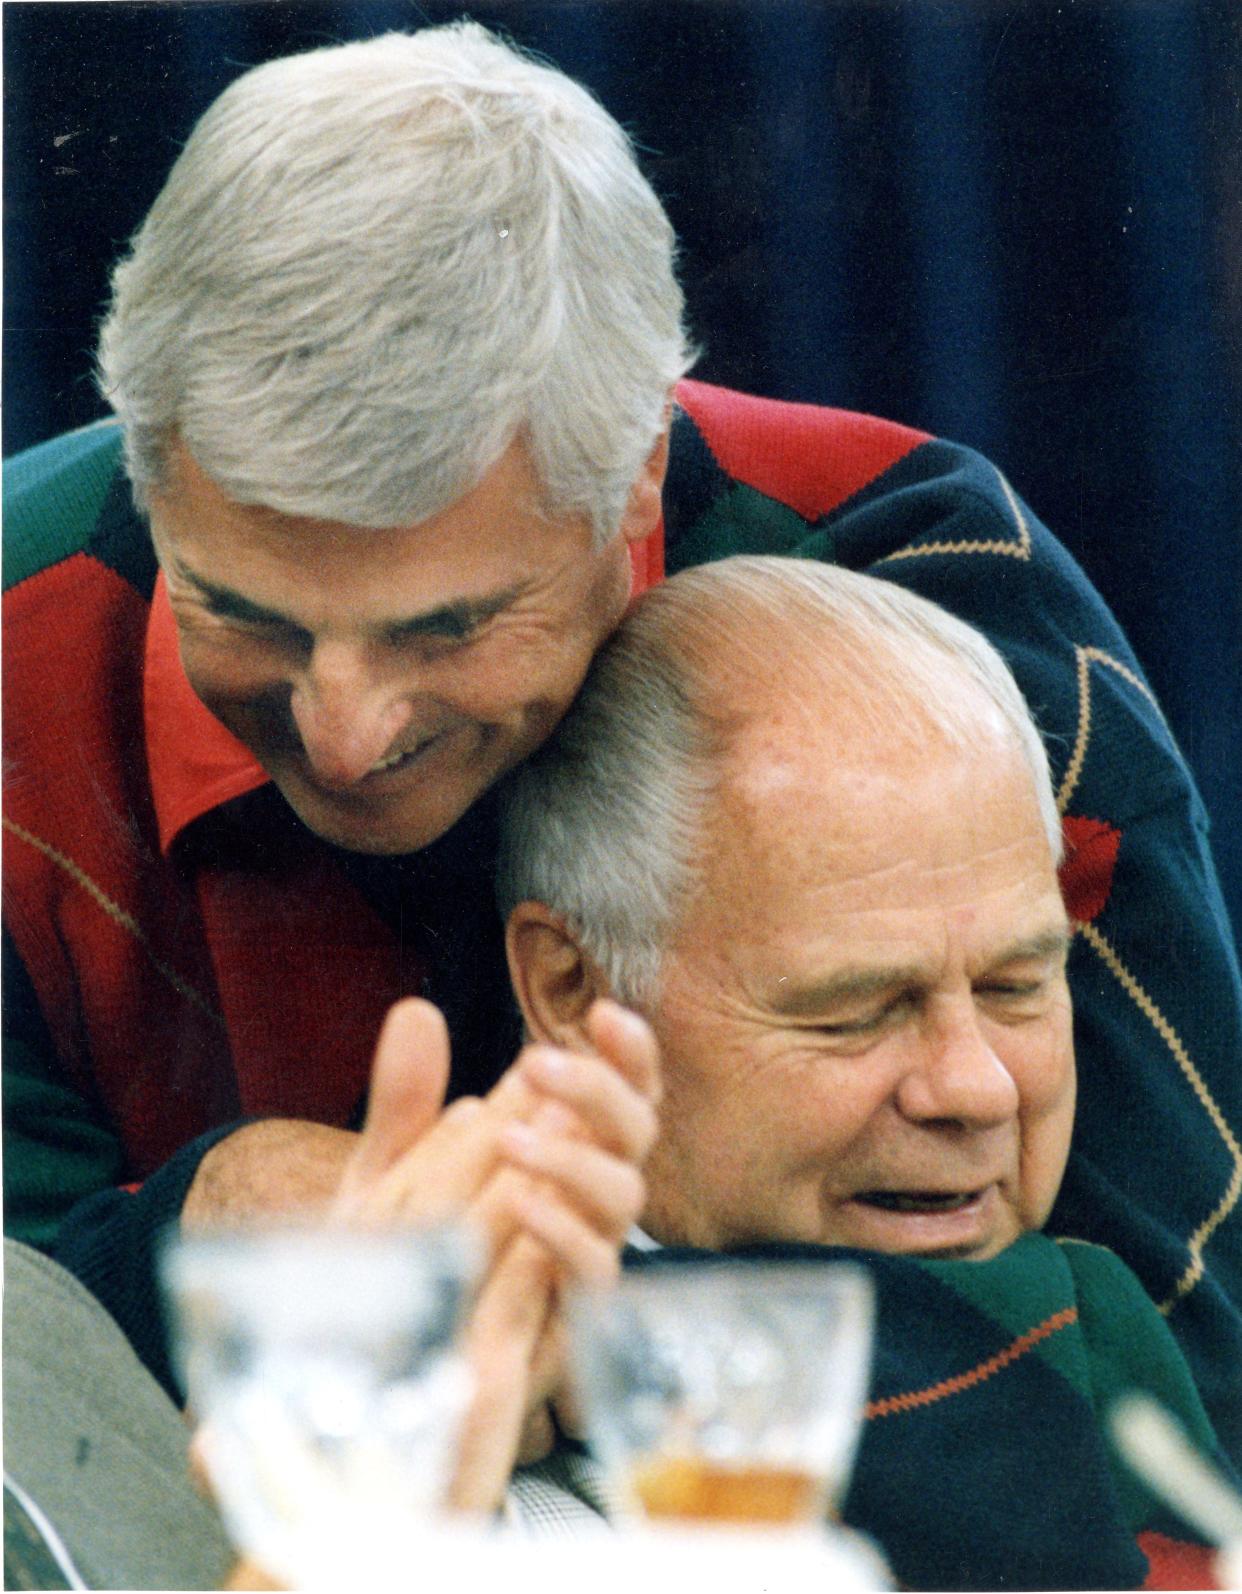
[918, 1200]
[402, 757]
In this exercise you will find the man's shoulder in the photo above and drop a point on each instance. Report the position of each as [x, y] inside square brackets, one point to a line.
[68, 496]
[78, 572]
[750, 475]
[809, 457]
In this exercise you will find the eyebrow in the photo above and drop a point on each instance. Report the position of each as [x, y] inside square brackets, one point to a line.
[858, 984]
[460, 615]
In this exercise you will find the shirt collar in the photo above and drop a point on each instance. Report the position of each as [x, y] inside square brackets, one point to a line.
[195, 763]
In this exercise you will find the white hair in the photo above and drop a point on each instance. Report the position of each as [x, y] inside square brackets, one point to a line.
[376, 264]
[605, 823]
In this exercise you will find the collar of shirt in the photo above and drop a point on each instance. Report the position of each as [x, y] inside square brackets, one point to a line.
[195, 763]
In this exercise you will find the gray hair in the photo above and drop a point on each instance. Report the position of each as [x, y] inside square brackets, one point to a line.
[374, 265]
[604, 823]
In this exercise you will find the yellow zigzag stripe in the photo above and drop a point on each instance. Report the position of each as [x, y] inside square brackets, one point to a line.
[1012, 550]
[1132, 988]
[1085, 657]
[117, 914]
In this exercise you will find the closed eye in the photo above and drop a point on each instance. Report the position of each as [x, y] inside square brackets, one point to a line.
[1016, 999]
[236, 611]
[853, 1026]
[870, 1022]
[430, 644]
[451, 625]
[448, 628]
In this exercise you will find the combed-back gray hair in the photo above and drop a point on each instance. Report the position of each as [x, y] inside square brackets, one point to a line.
[605, 822]
[374, 264]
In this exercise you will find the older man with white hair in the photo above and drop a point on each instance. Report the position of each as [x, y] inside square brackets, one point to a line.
[850, 943]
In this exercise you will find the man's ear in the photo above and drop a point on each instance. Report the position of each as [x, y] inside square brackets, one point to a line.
[554, 980]
[645, 504]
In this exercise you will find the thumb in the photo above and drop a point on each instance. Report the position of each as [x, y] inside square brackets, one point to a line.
[408, 1080]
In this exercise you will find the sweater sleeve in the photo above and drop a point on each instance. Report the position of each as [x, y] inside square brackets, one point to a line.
[62, 1164]
[112, 1241]
[1129, 1348]
[58, 1147]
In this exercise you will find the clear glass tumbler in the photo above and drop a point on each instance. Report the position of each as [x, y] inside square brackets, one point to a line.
[325, 1368]
[727, 1392]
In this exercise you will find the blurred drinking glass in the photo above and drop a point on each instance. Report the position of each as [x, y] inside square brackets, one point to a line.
[727, 1392]
[324, 1366]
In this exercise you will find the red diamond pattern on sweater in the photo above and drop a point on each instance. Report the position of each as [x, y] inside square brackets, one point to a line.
[1086, 873]
[806, 457]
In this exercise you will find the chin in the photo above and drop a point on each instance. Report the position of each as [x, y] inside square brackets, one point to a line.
[375, 835]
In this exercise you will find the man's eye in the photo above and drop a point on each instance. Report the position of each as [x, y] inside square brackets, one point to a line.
[1013, 992]
[447, 631]
[862, 1024]
[234, 614]
[451, 631]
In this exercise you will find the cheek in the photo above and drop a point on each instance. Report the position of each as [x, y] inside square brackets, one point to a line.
[751, 1122]
[507, 684]
[1049, 1090]
[1051, 1075]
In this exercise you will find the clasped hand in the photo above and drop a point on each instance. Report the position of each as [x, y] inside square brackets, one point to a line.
[545, 1168]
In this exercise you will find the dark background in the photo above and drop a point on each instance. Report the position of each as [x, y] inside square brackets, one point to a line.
[1016, 223]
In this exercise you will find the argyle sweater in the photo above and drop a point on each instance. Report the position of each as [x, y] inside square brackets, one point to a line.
[168, 977]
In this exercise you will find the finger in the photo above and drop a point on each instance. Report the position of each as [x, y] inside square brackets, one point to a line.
[605, 1190]
[584, 1254]
[628, 1042]
[547, 1372]
[442, 1176]
[495, 1213]
[505, 1327]
[613, 1111]
[408, 1080]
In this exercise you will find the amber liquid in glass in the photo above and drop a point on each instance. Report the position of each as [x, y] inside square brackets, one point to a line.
[696, 1490]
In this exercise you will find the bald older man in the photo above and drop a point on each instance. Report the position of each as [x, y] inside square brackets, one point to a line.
[852, 945]
[803, 822]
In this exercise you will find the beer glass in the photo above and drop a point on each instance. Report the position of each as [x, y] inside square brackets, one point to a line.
[729, 1391]
[324, 1366]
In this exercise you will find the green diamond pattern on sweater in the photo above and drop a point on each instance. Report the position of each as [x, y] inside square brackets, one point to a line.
[52, 498]
[743, 521]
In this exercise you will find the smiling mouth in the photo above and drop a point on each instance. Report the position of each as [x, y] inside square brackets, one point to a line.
[404, 756]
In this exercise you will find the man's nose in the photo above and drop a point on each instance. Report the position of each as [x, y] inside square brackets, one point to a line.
[956, 1076]
[346, 713]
